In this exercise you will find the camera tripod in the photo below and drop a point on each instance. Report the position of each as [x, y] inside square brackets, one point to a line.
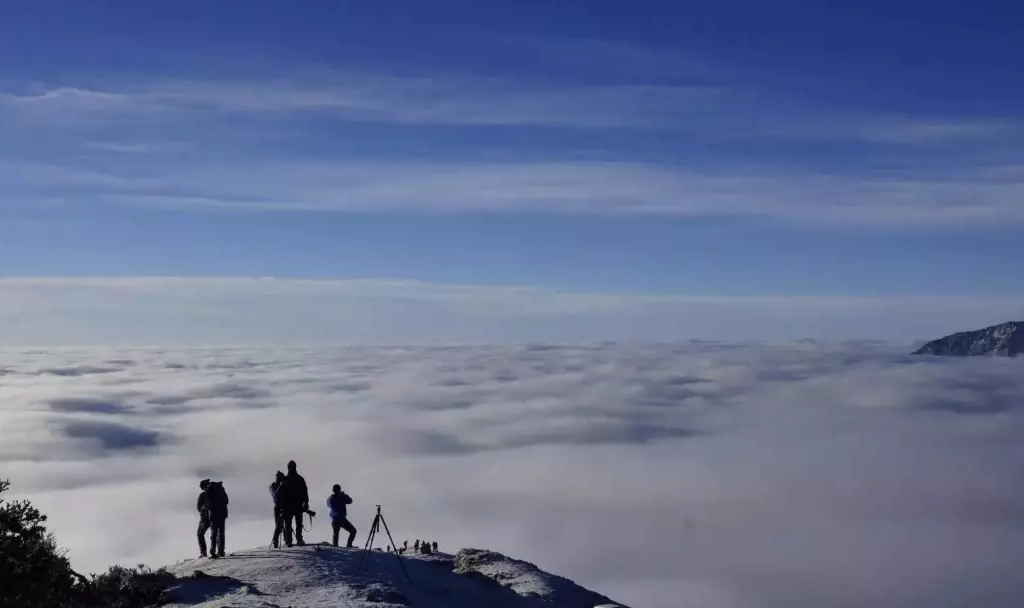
[377, 521]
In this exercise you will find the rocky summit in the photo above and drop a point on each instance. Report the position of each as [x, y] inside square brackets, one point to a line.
[1003, 340]
[304, 577]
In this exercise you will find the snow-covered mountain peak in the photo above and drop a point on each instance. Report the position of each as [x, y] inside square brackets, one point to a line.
[326, 576]
[1005, 340]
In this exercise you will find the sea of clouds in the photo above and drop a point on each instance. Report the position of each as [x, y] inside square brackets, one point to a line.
[696, 474]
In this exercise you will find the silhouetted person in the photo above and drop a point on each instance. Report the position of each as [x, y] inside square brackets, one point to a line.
[337, 502]
[435, 546]
[204, 517]
[278, 498]
[217, 503]
[295, 503]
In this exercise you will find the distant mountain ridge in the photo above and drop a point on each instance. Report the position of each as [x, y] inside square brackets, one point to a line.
[1003, 340]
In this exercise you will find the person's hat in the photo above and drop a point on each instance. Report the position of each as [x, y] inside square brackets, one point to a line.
[204, 483]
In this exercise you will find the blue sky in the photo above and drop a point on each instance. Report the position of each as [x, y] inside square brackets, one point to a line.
[661, 148]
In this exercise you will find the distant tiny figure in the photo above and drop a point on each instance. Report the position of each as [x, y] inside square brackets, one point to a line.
[435, 546]
[204, 517]
[295, 497]
[278, 498]
[217, 504]
[405, 544]
[416, 546]
[337, 502]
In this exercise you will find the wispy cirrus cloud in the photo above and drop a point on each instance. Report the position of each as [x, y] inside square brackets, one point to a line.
[731, 150]
[68, 98]
[723, 108]
[978, 197]
[358, 97]
[240, 310]
[121, 147]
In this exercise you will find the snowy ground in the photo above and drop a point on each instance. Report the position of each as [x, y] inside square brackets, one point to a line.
[326, 576]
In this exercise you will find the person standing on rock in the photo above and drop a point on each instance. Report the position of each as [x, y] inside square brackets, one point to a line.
[217, 504]
[204, 517]
[278, 498]
[337, 502]
[295, 502]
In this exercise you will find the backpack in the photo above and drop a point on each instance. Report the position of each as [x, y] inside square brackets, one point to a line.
[279, 493]
[217, 498]
[283, 494]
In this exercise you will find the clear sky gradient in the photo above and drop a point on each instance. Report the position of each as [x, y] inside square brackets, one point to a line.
[744, 148]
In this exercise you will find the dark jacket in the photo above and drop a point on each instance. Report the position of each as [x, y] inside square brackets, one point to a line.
[295, 493]
[336, 503]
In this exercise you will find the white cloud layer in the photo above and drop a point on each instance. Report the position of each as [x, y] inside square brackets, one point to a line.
[268, 311]
[723, 475]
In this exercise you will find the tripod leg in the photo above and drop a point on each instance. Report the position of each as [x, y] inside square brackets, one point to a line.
[370, 535]
[369, 541]
[398, 557]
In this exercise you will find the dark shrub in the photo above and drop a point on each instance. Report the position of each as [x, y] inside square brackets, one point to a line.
[37, 573]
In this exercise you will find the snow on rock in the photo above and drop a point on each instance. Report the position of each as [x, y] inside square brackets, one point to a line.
[526, 579]
[327, 576]
[1005, 340]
